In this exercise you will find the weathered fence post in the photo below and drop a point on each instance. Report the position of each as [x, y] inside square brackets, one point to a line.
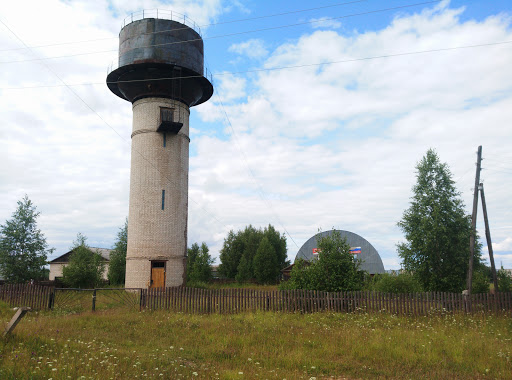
[467, 301]
[51, 299]
[15, 319]
[94, 300]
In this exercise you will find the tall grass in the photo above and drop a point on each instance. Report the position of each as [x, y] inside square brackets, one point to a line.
[124, 344]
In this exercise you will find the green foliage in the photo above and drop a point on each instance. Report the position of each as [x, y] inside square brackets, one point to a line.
[239, 250]
[218, 346]
[504, 281]
[437, 230]
[278, 242]
[192, 254]
[244, 270]
[266, 270]
[23, 247]
[199, 263]
[117, 265]
[299, 276]
[334, 270]
[85, 268]
[401, 283]
[198, 284]
[481, 282]
[231, 254]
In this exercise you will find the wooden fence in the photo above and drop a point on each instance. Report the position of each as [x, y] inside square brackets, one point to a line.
[36, 297]
[192, 300]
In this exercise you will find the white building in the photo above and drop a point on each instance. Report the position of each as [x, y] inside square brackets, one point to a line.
[56, 265]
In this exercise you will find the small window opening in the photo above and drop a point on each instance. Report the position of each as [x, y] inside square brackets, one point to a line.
[158, 264]
[167, 121]
[163, 199]
[166, 114]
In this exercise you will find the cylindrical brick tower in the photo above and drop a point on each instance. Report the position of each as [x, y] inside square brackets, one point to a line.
[161, 73]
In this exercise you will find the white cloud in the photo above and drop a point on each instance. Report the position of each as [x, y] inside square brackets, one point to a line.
[325, 23]
[314, 147]
[73, 166]
[254, 49]
[336, 145]
[230, 87]
[503, 246]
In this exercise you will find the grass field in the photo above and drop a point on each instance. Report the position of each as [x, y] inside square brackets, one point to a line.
[127, 344]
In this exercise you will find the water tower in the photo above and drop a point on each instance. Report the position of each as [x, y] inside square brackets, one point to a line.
[161, 73]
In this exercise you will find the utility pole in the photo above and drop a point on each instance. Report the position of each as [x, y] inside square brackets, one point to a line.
[489, 243]
[473, 220]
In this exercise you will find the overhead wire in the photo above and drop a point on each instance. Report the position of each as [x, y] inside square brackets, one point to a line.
[251, 172]
[201, 26]
[230, 34]
[106, 123]
[393, 55]
[271, 69]
[498, 170]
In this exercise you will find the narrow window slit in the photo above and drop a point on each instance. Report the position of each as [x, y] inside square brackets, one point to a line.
[163, 199]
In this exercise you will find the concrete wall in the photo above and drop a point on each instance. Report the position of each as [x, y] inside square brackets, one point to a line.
[153, 233]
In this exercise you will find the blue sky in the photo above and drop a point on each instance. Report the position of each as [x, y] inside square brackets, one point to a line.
[304, 148]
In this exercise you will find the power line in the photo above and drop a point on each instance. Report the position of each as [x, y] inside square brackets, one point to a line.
[261, 192]
[106, 123]
[500, 162]
[230, 34]
[278, 68]
[499, 171]
[201, 26]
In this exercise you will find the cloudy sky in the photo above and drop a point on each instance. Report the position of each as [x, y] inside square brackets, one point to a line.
[318, 119]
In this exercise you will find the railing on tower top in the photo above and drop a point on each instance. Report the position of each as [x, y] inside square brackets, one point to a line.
[166, 15]
[163, 14]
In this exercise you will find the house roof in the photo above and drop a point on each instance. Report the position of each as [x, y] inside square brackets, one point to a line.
[104, 252]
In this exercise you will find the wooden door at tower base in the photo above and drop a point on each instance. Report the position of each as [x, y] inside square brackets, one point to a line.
[157, 274]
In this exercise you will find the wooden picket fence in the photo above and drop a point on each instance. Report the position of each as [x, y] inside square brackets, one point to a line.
[192, 300]
[36, 297]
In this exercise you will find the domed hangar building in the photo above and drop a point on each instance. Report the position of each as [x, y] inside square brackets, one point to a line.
[359, 247]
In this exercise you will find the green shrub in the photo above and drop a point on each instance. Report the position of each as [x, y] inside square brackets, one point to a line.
[480, 283]
[388, 283]
[504, 281]
[197, 284]
[335, 269]
[85, 268]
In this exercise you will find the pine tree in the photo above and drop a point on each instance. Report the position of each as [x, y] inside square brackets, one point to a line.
[245, 243]
[437, 230]
[278, 242]
[231, 254]
[265, 263]
[23, 247]
[244, 270]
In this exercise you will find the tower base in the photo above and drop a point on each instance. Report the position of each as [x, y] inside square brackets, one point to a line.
[146, 273]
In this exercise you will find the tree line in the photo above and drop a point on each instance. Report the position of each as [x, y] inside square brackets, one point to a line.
[434, 255]
[253, 254]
